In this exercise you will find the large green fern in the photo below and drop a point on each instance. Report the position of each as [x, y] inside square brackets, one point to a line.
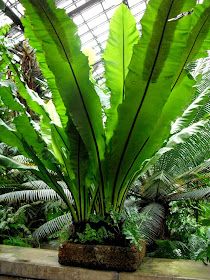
[98, 162]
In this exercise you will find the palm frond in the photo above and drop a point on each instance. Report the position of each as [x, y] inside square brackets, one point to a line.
[23, 160]
[202, 69]
[191, 111]
[180, 163]
[52, 226]
[198, 194]
[187, 155]
[36, 185]
[158, 185]
[7, 150]
[2, 148]
[151, 221]
[200, 107]
[185, 133]
[33, 195]
[181, 154]
[193, 172]
[40, 185]
[192, 133]
[62, 184]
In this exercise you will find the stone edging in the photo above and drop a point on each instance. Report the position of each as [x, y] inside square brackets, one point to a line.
[18, 263]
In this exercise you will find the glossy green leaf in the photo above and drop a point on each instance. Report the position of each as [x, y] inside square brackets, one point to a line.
[123, 36]
[151, 71]
[70, 68]
[61, 47]
[182, 88]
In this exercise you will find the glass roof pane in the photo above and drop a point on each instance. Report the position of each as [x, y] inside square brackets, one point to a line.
[101, 29]
[4, 20]
[110, 3]
[78, 19]
[110, 12]
[81, 2]
[70, 8]
[103, 37]
[92, 18]
[97, 21]
[64, 3]
[83, 29]
[97, 9]
[86, 37]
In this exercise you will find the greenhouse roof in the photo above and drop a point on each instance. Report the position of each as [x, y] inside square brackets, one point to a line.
[91, 16]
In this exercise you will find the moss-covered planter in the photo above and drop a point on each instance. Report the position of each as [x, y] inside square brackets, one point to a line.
[103, 257]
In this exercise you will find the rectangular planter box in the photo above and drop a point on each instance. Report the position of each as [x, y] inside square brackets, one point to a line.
[101, 256]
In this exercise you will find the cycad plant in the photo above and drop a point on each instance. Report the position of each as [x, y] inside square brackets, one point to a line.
[176, 176]
[97, 153]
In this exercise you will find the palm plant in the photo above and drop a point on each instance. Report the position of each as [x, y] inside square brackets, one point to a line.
[98, 153]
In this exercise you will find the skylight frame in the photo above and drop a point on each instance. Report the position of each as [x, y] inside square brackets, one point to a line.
[87, 10]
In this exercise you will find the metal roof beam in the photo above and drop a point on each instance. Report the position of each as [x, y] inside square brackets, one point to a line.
[9, 12]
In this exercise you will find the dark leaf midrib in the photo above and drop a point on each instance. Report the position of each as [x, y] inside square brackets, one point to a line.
[80, 93]
[191, 49]
[143, 98]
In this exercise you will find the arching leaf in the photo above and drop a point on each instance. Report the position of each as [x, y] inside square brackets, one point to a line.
[61, 47]
[154, 63]
[123, 36]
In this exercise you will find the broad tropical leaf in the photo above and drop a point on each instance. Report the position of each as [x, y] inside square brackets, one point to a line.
[155, 62]
[117, 56]
[70, 68]
[61, 46]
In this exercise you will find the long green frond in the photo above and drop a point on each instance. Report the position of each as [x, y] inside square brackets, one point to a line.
[61, 47]
[69, 66]
[123, 35]
[148, 86]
